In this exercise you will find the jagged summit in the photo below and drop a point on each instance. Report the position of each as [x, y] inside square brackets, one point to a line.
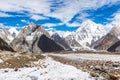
[30, 38]
[88, 24]
[87, 33]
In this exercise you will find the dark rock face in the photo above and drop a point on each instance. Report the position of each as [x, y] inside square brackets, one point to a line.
[29, 40]
[4, 46]
[48, 45]
[60, 41]
[115, 47]
[105, 42]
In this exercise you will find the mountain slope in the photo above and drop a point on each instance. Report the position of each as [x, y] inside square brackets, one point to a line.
[60, 41]
[70, 40]
[108, 40]
[30, 38]
[115, 47]
[48, 45]
[6, 35]
[4, 46]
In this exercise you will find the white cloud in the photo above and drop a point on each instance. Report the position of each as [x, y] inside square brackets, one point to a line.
[4, 14]
[24, 21]
[74, 24]
[37, 17]
[65, 12]
[1, 25]
[32, 6]
[49, 25]
[50, 30]
[73, 7]
[115, 21]
[52, 24]
[8, 27]
[83, 16]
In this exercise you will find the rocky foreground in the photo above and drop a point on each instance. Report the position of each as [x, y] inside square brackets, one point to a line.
[100, 66]
[52, 66]
[27, 66]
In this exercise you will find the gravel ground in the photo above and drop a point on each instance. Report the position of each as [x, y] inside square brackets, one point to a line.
[100, 66]
[101, 57]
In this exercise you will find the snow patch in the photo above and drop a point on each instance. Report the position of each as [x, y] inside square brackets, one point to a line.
[13, 31]
[53, 71]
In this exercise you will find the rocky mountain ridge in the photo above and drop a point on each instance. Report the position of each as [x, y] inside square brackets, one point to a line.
[34, 38]
[108, 40]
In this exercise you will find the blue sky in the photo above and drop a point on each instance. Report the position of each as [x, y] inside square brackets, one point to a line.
[61, 15]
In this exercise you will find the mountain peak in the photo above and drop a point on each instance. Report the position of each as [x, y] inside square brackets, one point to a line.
[32, 25]
[13, 31]
[89, 32]
[35, 39]
[115, 31]
[89, 25]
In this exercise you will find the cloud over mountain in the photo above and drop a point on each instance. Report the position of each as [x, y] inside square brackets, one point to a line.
[68, 12]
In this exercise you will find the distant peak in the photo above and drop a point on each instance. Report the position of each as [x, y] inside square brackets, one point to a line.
[32, 25]
[13, 31]
[89, 25]
[115, 30]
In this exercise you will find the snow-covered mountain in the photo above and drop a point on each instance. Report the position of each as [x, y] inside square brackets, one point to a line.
[13, 31]
[6, 35]
[87, 33]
